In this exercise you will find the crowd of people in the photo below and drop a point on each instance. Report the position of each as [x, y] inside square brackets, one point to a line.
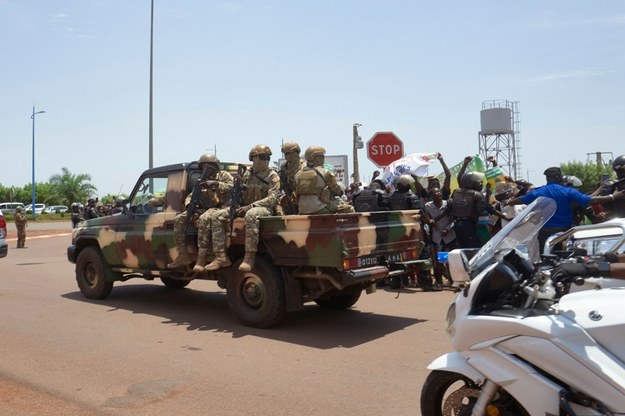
[464, 218]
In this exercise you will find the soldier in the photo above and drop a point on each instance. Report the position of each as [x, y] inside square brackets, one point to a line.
[294, 163]
[403, 197]
[76, 215]
[615, 208]
[466, 205]
[91, 211]
[261, 190]
[211, 195]
[218, 188]
[316, 186]
[21, 222]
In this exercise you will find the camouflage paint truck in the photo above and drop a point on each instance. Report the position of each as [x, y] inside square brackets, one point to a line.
[327, 259]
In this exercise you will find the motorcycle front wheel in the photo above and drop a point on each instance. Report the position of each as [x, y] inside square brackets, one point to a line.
[451, 394]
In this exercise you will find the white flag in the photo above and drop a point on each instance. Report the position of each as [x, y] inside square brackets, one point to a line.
[415, 163]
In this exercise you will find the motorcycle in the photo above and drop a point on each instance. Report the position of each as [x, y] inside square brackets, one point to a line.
[523, 344]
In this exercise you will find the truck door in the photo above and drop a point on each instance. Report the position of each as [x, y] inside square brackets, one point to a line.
[145, 238]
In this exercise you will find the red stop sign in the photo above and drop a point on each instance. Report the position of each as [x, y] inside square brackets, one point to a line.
[384, 148]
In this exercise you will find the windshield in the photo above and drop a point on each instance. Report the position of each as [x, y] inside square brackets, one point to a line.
[520, 233]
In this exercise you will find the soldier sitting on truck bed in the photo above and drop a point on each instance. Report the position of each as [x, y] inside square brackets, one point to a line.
[293, 164]
[261, 189]
[316, 186]
[218, 189]
[210, 197]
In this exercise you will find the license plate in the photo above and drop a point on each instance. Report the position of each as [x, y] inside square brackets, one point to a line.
[393, 257]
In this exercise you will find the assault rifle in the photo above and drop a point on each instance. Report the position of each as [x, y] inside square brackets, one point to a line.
[236, 195]
[194, 203]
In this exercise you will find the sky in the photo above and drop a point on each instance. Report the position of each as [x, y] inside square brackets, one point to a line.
[231, 74]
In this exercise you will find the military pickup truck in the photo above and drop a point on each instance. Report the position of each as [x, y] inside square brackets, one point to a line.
[327, 259]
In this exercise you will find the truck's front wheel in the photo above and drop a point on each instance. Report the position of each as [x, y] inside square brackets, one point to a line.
[90, 274]
[257, 297]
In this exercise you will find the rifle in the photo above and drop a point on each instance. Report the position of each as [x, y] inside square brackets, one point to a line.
[195, 197]
[235, 195]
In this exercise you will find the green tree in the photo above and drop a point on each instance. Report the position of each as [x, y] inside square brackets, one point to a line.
[589, 173]
[68, 188]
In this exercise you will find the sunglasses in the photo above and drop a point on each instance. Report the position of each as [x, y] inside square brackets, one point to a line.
[263, 157]
[290, 152]
[619, 166]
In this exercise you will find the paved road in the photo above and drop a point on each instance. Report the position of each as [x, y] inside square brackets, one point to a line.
[148, 350]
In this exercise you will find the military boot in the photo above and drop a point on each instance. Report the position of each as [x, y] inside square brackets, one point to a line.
[201, 260]
[248, 261]
[221, 261]
[182, 260]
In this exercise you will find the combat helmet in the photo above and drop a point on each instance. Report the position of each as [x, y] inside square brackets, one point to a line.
[405, 181]
[503, 188]
[209, 159]
[619, 161]
[313, 151]
[472, 180]
[291, 147]
[259, 149]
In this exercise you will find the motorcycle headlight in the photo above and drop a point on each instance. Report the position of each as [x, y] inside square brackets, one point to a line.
[450, 320]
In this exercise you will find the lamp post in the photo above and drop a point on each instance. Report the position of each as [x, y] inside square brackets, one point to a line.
[356, 144]
[33, 183]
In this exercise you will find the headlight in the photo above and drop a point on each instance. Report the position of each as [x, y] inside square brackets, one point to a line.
[450, 320]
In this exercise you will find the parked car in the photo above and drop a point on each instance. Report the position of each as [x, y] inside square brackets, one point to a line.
[38, 208]
[9, 207]
[4, 248]
[55, 209]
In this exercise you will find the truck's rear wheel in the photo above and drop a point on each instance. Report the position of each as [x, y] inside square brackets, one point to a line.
[90, 274]
[345, 299]
[174, 283]
[257, 297]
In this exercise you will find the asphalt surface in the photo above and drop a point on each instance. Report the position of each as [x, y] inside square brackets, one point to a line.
[147, 350]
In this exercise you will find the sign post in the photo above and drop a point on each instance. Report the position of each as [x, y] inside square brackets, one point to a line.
[384, 148]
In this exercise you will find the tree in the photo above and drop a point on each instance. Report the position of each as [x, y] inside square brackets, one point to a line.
[68, 188]
[589, 173]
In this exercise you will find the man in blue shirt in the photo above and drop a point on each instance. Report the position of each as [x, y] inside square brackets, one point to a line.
[565, 197]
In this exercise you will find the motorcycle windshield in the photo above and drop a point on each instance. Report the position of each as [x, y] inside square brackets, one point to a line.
[520, 233]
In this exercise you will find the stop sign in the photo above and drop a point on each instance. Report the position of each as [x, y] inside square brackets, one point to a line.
[384, 148]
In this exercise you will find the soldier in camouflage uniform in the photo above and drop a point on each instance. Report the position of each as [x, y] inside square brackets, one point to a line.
[293, 164]
[211, 196]
[21, 222]
[218, 188]
[261, 190]
[316, 186]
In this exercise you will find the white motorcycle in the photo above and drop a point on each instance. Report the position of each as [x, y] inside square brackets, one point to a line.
[524, 345]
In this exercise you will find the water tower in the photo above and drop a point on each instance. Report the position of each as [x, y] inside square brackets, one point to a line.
[499, 135]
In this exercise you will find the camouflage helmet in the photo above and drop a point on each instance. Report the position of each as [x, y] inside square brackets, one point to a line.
[291, 147]
[209, 159]
[404, 181]
[18, 209]
[472, 180]
[259, 149]
[313, 151]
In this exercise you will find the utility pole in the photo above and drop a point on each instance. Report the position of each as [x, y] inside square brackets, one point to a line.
[357, 144]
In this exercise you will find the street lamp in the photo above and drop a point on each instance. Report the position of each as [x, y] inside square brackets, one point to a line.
[33, 183]
[356, 144]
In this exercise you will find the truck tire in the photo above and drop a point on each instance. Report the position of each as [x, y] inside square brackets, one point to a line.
[342, 300]
[257, 297]
[90, 274]
[174, 283]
